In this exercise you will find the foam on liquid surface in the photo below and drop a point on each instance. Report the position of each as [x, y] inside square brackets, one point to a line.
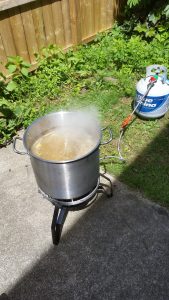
[63, 144]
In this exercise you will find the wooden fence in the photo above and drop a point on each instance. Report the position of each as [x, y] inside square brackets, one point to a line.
[28, 25]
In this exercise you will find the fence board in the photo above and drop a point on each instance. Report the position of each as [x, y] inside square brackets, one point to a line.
[48, 21]
[97, 12]
[6, 34]
[89, 16]
[3, 57]
[38, 24]
[116, 7]
[18, 33]
[88, 19]
[103, 16]
[29, 29]
[58, 23]
[25, 29]
[66, 22]
[75, 16]
[83, 18]
[109, 13]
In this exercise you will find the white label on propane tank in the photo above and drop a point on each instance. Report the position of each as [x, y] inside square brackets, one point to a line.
[151, 103]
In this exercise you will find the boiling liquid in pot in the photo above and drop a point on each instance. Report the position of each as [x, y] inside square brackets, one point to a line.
[63, 144]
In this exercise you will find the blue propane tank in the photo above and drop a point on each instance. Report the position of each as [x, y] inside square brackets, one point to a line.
[156, 103]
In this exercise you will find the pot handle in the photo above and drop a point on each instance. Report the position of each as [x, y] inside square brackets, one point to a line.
[14, 146]
[110, 134]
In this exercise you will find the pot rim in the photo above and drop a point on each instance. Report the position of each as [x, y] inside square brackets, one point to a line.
[58, 161]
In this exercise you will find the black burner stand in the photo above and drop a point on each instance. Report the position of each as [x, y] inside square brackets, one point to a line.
[61, 211]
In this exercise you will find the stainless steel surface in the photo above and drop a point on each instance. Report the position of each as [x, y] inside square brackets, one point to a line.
[14, 146]
[65, 179]
[72, 202]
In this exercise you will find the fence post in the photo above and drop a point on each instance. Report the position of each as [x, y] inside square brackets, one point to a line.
[75, 21]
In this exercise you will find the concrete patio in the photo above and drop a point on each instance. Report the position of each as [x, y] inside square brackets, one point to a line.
[118, 248]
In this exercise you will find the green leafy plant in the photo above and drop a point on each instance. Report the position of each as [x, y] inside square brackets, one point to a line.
[131, 3]
[16, 67]
[152, 23]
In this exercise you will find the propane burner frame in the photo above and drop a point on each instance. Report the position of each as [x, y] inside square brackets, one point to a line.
[62, 207]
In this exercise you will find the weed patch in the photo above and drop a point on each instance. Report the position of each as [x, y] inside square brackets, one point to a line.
[113, 62]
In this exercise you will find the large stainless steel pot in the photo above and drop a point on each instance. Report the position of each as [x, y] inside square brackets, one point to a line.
[64, 179]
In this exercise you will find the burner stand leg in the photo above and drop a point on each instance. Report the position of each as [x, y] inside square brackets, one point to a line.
[102, 186]
[59, 217]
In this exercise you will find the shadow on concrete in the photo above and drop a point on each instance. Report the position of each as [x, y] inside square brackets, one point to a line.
[117, 250]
